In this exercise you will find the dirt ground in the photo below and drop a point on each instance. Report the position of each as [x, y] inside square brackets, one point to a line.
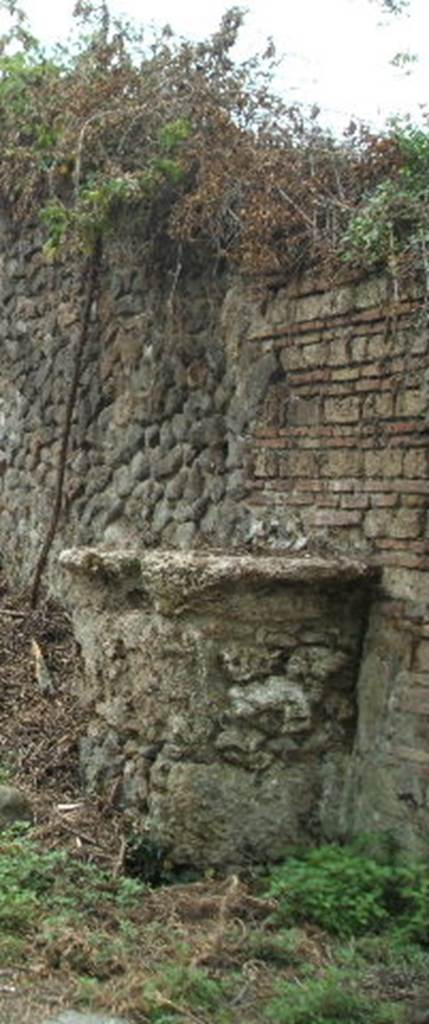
[39, 735]
[41, 721]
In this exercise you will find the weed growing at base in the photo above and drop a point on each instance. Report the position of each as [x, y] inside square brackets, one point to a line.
[327, 1000]
[121, 947]
[347, 891]
[34, 882]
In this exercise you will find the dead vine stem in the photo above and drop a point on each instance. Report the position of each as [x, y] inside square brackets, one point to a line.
[91, 293]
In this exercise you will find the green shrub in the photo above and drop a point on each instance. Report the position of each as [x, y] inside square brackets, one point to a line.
[389, 948]
[326, 1000]
[177, 986]
[348, 892]
[342, 891]
[283, 947]
[25, 877]
[412, 887]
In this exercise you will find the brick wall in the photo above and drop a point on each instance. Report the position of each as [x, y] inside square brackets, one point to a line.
[348, 443]
[340, 440]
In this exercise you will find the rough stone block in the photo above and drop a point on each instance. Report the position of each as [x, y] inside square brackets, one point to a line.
[303, 411]
[411, 585]
[379, 463]
[411, 402]
[326, 517]
[355, 501]
[265, 464]
[416, 463]
[378, 347]
[14, 806]
[296, 464]
[388, 500]
[212, 814]
[406, 523]
[358, 349]
[341, 463]
[342, 410]
[377, 523]
[421, 657]
[399, 524]
[383, 405]
[338, 353]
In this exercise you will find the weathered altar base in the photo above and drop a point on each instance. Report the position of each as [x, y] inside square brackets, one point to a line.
[224, 693]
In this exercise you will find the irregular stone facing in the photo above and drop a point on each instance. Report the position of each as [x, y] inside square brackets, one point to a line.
[224, 693]
[14, 806]
[144, 417]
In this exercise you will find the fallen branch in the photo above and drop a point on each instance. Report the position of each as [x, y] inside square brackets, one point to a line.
[119, 862]
[70, 807]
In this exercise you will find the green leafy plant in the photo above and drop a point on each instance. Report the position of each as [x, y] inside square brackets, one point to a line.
[393, 218]
[172, 135]
[6, 774]
[337, 888]
[348, 891]
[412, 886]
[56, 219]
[31, 878]
[87, 991]
[327, 1000]
[177, 986]
[285, 946]
[25, 877]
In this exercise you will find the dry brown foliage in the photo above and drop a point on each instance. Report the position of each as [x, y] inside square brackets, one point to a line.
[179, 144]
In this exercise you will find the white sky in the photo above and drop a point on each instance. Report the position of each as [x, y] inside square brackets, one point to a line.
[337, 52]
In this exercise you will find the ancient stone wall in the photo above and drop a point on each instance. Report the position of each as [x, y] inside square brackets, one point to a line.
[150, 451]
[215, 414]
[225, 694]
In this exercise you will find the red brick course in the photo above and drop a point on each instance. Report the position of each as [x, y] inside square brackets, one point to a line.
[350, 449]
